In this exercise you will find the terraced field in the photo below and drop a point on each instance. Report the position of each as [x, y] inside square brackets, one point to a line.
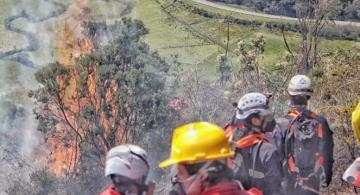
[199, 40]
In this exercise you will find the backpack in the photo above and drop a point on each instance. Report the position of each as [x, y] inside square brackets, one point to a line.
[302, 144]
[247, 170]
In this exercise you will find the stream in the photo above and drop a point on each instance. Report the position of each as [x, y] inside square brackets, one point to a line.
[18, 135]
[32, 40]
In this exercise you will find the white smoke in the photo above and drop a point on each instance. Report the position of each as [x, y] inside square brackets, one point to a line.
[22, 149]
[20, 143]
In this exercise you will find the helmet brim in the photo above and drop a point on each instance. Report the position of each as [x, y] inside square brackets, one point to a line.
[246, 114]
[121, 167]
[168, 162]
[115, 166]
[293, 93]
[171, 161]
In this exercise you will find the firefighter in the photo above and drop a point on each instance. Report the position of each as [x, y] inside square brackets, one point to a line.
[199, 152]
[352, 174]
[356, 122]
[305, 142]
[128, 168]
[257, 162]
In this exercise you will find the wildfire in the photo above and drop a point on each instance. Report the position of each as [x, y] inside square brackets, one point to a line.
[72, 42]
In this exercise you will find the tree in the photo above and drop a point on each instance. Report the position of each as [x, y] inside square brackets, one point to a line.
[313, 15]
[203, 100]
[113, 95]
[352, 10]
[224, 69]
[251, 72]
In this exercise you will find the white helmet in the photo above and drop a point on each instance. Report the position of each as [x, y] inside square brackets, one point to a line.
[129, 161]
[300, 85]
[251, 103]
[351, 175]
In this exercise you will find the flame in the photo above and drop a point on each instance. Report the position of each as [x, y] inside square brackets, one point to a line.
[72, 42]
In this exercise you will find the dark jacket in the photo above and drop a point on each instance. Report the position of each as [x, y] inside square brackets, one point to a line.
[259, 166]
[326, 144]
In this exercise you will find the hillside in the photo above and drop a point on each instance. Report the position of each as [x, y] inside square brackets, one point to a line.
[78, 77]
[342, 10]
[199, 40]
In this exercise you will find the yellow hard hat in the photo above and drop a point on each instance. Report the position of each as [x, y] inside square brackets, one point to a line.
[356, 122]
[198, 141]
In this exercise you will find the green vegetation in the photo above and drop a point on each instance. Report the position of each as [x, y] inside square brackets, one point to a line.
[119, 96]
[168, 31]
[341, 9]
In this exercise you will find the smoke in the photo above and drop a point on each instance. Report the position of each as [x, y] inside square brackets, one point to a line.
[27, 47]
[30, 29]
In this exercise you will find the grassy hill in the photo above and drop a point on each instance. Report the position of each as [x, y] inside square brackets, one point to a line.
[199, 40]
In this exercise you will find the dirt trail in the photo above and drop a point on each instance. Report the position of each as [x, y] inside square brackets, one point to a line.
[237, 10]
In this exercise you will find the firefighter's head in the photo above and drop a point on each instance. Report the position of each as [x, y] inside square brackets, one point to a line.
[199, 152]
[127, 166]
[300, 90]
[253, 110]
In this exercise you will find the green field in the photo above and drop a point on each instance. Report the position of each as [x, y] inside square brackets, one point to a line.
[173, 31]
[176, 29]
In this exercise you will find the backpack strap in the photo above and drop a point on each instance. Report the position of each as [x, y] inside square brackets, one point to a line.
[289, 135]
[249, 140]
[253, 173]
[255, 140]
[231, 128]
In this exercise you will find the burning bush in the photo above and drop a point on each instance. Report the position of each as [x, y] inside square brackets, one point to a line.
[113, 95]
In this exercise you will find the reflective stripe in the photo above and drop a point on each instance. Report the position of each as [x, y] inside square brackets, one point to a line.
[241, 187]
[313, 115]
[256, 174]
[291, 164]
[320, 131]
[357, 180]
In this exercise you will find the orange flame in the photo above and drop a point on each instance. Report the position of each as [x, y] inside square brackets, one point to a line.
[73, 41]
[71, 44]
